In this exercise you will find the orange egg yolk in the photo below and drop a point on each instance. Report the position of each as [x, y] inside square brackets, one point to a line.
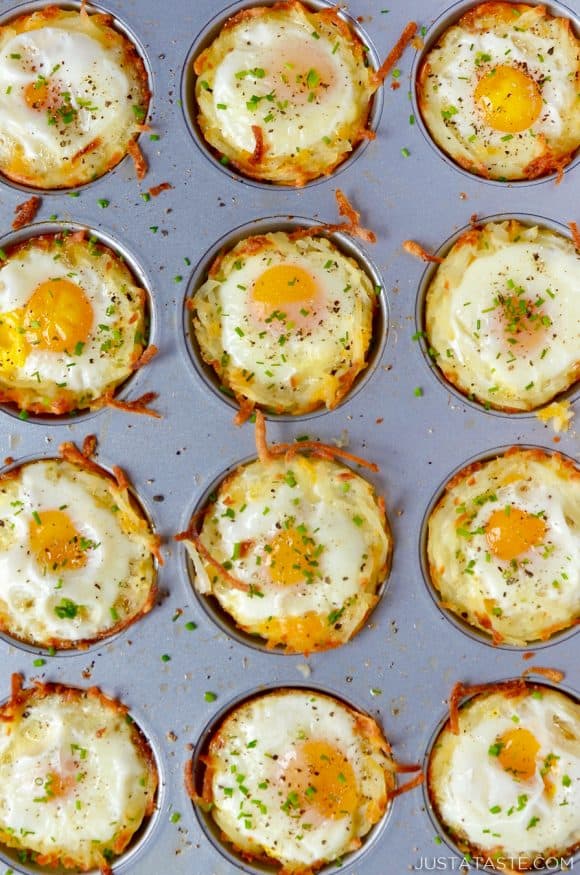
[305, 633]
[511, 532]
[291, 557]
[58, 316]
[55, 541]
[284, 284]
[518, 751]
[323, 780]
[37, 94]
[510, 100]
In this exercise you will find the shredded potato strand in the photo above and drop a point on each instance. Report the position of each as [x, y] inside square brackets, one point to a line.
[266, 453]
[552, 674]
[396, 52]
[417, 250]
[25, 213]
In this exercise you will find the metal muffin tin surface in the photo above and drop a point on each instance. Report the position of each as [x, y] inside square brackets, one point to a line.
[402, 665]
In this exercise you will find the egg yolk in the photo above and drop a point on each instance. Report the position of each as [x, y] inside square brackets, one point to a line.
[510, 99]
[511, 532]
[13, 345]
[299, 73]
[304, 633]
[37, 94]
[58, 316]
[323, 780]
[55, 541]
[291, 557]
[521, 321]
[284, 284]
[518, 751]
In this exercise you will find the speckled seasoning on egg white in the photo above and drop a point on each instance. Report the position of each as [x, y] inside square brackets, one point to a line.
[73, 323]
[503, 546]
[498, 91]
[77, 777]
[286, 321]
[294, 546]
[76, 553]
[297, 777]
[502, 315]
[505, 784]
[74, 93]
[284, 92]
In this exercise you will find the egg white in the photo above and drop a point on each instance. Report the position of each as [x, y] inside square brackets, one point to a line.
[542, 46]
[85, 738]
[477, 352]
[466, 781]
[40, 379]
[537, 593]
[318, 358]
[352, 547]
[103, 77]
[116, 583]
[309, 124]
[279, 723]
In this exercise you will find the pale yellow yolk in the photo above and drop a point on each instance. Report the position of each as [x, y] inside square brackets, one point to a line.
[55, 541]
[58, 317]
[37, 94]
[511, 532]
[291, 557]
[13, 345]
[284, 284]
[304, 633]
[299, 74]
[510, 100]
[518, 753]
[323, 779]
[522, 322]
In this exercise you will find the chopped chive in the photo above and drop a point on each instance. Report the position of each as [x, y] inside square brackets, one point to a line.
[209, 696]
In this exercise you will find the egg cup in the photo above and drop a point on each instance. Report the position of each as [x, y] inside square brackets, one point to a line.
[484, 632]
[494, 858]
[433, 358]
[191, 110]
[61, 110]
[348, 247]
[539, 172]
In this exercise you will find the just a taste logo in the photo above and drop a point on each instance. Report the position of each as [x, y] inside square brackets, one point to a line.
[505, 864]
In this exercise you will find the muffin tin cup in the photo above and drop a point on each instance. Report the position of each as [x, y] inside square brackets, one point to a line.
[446, 20]
[141, 841]
[33, 6]
[461, 625]
[210, 828]
[571, 394]
[130, 386]
[465, 861]
[189, 103]
[209, 603]
[93, 647]
[289, 224]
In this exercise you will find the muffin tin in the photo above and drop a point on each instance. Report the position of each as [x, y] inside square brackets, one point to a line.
[402, 665]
